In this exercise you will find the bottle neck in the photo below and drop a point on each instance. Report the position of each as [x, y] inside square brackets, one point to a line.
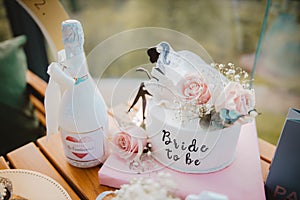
[76, 65]
[73, 49]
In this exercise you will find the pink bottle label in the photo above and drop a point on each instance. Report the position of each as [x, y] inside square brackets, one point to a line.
[83, 150]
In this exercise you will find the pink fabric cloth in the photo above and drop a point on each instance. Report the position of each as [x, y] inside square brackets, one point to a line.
[241, 180]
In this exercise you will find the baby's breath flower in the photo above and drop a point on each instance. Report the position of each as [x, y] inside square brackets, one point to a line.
[233, 73]
[148, 189]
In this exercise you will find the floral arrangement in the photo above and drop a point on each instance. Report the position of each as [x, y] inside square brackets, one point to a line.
[160, 188]
[132, 144]
[234, 101]
[218, 95]
[147, 189]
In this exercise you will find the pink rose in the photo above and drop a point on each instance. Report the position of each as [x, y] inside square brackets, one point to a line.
[193, 87]
[235, 97]
[129, 141]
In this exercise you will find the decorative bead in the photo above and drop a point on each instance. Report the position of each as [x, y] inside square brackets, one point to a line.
[5, 188]
[3, 191]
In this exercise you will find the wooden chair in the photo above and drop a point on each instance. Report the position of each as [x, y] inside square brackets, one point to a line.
[37, 87]
[52, 31]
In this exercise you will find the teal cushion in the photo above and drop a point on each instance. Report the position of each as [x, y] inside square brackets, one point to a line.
[18, 122]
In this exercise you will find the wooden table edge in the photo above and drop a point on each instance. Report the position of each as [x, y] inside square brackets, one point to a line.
[17, 159]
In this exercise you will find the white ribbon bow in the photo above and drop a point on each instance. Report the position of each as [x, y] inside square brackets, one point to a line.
[58, 83]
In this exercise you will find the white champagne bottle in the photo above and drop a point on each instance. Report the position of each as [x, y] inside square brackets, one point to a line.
[82, 113]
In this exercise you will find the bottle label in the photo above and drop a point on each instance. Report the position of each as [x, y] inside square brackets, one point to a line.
[83, 150]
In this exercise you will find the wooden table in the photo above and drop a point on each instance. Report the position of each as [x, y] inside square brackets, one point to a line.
[47, 157]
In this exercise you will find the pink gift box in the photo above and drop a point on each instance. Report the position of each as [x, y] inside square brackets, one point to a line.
[241, 180]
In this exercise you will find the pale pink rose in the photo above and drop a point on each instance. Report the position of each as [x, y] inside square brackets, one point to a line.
[129, 141]
[193, 87]
[235, 97]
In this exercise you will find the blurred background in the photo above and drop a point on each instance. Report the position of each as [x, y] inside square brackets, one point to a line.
[229, 30]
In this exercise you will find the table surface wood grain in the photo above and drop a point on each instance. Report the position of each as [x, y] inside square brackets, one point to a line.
[46, 156]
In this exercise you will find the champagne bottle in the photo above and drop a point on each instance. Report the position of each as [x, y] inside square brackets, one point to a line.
[82, 113]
